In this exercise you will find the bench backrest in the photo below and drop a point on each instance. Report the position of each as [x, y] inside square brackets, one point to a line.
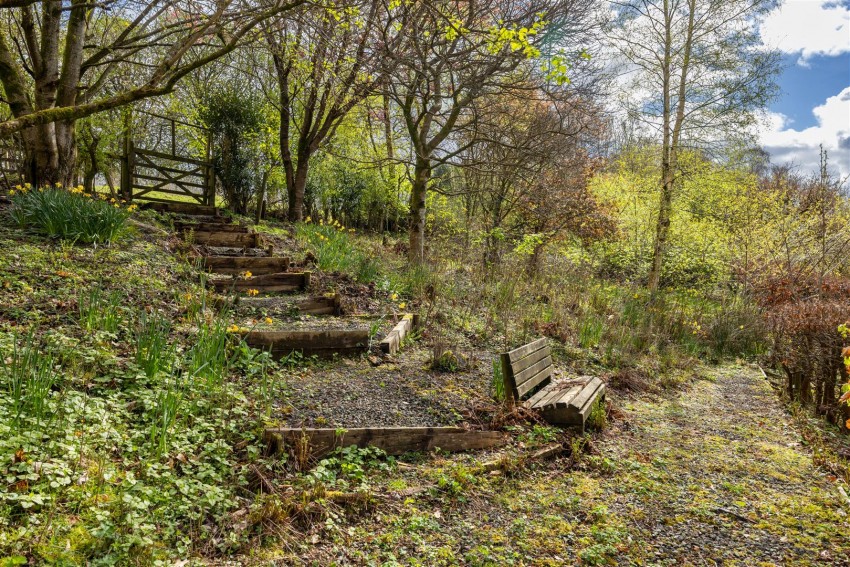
[526, 367]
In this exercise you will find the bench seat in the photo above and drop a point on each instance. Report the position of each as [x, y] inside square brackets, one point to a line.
[567, 402]
[529, 376]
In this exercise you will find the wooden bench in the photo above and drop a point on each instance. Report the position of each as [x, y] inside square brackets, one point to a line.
[528, 373]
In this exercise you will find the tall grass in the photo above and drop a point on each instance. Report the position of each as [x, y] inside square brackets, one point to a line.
[208, 359]
[99, 312]
[152, 350]
[163, 414]
[69, 215]
[28, 376]
[332, 245]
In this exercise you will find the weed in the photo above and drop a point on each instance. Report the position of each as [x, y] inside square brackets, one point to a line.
[590, 331]
[164, 413]
[498, 381]
[207, 359]
[598, 417]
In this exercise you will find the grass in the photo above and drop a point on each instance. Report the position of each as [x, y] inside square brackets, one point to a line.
[28, 377]
[153, 433]
[152, 352]
[99, 311]
[69, 215]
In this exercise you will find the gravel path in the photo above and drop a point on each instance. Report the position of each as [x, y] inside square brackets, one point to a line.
[719, 477]
[351, 393]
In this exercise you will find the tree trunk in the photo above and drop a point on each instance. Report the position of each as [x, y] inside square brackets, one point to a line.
[662, 228]
[418, 191]
[296, 190]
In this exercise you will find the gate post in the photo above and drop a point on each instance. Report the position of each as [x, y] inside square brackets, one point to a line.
[127, 158]
[209, 174]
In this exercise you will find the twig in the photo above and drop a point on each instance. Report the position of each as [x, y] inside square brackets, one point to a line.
[734, 514]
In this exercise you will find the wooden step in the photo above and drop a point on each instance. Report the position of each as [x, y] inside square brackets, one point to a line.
[317, 305]
[217, 220]
[284, 281]
[236, 239]
[181, 207]
[186, 226]
[235, 265]
[392, 341]
[313, 342]
[393, 440]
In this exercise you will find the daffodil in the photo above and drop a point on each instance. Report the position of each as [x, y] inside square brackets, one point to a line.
[247, 275]
[253, 292]
[269, 321]
[394, 296]
[402, 305]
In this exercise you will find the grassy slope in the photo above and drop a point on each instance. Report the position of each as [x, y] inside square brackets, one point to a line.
[91, 484]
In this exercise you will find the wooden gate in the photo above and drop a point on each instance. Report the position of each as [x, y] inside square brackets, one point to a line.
[152, 175]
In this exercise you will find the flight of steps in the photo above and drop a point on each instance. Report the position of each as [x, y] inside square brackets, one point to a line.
[229, 252]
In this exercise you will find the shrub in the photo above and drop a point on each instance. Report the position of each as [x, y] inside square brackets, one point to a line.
[803, 316]
[69, 215]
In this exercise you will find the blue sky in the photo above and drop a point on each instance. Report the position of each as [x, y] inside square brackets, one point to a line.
[814, 107]
[804, 87]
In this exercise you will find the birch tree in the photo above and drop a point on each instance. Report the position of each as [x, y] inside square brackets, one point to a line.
[700, 76]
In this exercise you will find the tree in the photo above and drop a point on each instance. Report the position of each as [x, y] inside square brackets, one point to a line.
[446, 54]
[528, 171]
[74, 58]
[325, 63]
[699, 71]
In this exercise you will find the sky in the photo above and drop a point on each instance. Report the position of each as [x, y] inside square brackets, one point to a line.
[813, 107]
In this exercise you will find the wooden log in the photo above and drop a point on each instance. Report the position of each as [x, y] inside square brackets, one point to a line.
[316, 342]
[181, 207]
[186, 226]
[242, 240]
[394, 338]
[393, 440]
[278, 282]
[235, 265]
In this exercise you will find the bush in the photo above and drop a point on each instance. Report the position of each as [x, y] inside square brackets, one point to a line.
[69, 215]
[804, 316]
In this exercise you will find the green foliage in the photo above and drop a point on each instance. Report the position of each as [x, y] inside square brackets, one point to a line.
[332, 246]
[348, 466]
[236, 120]
[69, 215]
[498, 381]
[208, 359]
[598, 417]
[99, 312]
[152, 352]
[28, 376]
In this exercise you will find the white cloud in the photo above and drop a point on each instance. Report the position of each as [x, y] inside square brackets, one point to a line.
[801, 147]
[808, 27]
